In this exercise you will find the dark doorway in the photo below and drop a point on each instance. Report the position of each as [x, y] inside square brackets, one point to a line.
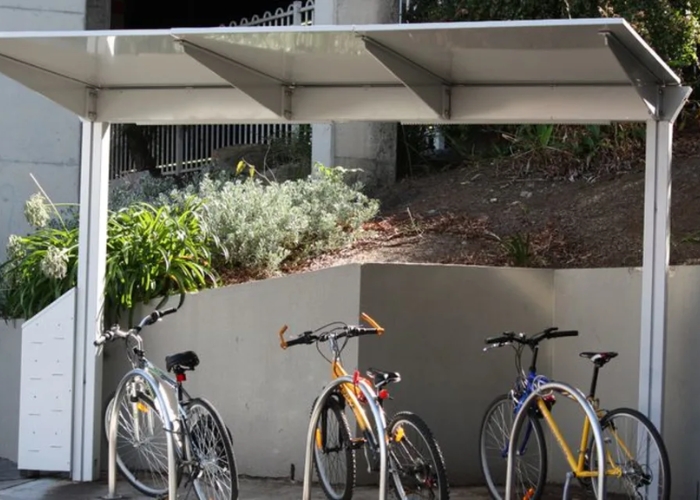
[163, 14]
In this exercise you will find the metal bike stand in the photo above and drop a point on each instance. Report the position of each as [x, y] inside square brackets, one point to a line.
[378, 417]
[590, 414]
[113, 418]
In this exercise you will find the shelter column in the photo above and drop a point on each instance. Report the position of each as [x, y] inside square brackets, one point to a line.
[370, 146]
[94, 184]
[657, 203]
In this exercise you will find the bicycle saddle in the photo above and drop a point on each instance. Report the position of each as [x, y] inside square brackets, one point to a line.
[182, 361]
[599, 358]
[382, 378]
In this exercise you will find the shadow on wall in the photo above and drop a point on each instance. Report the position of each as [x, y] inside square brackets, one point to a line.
[436, 320]
[681, 432]
[10, 371]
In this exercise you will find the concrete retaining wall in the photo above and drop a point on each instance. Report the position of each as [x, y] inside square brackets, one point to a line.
[436, 319]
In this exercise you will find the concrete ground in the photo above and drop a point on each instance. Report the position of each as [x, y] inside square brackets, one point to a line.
[15, 487]
[58, 489]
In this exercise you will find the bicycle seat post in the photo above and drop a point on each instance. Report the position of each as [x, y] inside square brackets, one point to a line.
[594, 381]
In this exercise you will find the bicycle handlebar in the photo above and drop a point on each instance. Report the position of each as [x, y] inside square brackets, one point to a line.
[349, 331]
[116, 333]
[507, 338]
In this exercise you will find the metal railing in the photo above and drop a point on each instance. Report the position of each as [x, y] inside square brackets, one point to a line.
[187, 148]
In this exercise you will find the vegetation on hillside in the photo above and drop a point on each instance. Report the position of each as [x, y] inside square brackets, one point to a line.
[671, 27]
[162, 241]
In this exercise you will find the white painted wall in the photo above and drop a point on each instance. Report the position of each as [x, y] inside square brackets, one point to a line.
[36, 135]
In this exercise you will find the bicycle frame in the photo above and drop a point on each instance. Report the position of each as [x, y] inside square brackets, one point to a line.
[352, 395]
[577, 464]
[168, 386]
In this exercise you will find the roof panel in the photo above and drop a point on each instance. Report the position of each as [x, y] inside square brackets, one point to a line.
[510, 53]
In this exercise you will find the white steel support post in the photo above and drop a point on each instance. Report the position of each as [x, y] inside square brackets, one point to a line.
[94, 182]
[323, 134]
[657, 239]
[657, 232]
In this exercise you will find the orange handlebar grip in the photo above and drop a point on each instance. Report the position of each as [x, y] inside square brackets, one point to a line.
[283, 343]
[367, 319]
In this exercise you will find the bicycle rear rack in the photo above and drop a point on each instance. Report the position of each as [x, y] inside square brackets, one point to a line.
[595, 426]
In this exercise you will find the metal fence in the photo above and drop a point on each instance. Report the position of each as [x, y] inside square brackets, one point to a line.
[184, 148]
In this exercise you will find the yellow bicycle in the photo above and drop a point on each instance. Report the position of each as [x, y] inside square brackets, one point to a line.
[637, 464]
[416, 467]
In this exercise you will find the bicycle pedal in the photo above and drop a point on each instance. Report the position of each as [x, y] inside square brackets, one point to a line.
[357, 443]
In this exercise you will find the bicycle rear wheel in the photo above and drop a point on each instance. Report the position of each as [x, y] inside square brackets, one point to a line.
[530, 462]
[635, 446]
[142, 441]
[334, 453]
[216, 476]
[418, 458]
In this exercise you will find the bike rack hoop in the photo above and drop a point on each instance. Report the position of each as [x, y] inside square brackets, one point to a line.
[578, 396]
[379, 420]
[113, 419]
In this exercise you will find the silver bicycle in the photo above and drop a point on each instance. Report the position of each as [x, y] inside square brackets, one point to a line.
[157, 415]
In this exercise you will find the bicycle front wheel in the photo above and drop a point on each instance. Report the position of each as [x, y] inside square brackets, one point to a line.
[417, 457]
[530, 462]
[635, 448]
[215, 473]
[142, 439]
[334, 453]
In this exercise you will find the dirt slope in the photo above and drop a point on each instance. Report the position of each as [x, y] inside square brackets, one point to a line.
[474, 215]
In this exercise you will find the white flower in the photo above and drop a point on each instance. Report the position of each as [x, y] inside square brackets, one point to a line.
[36, 211]
[15, 248]
[55, 263]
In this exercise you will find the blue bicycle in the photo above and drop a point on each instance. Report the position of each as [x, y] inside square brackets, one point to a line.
[531, 460]
[636, 464]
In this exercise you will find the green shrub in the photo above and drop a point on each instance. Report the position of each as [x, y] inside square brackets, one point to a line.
[184, 239]
[143, 189]
[151, 252]
[157, 251]
[264, 224]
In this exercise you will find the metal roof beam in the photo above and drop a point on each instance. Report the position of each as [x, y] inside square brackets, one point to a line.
[428, 87]
[273, 94]
[663, 101]
[70, 93]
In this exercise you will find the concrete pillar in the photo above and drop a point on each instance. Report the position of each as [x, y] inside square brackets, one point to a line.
[369, 146]
[98, 14]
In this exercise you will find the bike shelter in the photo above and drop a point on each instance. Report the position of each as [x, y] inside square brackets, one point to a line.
[581, 71]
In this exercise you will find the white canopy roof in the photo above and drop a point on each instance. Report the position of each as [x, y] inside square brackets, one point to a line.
[590, 70]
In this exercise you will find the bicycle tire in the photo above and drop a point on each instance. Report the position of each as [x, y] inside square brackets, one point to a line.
[402, 418]
[497, 492]
[332, 407]
[125, 471]
[608, 420]
[224, 447]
